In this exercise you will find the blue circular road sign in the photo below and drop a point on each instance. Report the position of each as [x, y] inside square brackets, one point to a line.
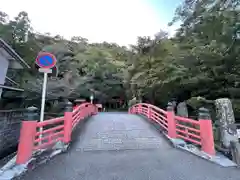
[46, 60]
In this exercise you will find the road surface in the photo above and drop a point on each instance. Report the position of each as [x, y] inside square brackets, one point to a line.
[119, 146]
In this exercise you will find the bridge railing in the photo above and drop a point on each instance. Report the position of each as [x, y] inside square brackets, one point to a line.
[35, 136]
[49, 135]
[198, 132]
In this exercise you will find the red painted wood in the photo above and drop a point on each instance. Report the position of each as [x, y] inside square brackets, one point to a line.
[67, 126]
[29, 138]
[207, 139]
[26, 141]
[197, 132]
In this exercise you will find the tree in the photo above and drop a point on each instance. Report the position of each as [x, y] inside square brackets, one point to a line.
[201, 60]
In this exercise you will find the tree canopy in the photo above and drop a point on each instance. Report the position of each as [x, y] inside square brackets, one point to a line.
[83, 68]
[202, 59]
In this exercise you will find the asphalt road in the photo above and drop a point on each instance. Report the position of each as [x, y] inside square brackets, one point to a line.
[118, 146]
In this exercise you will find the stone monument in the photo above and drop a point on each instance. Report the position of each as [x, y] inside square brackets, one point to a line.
[228, 129]
[182, 109]
[226, 119]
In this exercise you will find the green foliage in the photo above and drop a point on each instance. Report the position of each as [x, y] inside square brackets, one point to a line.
[83, 68]
[203, 59]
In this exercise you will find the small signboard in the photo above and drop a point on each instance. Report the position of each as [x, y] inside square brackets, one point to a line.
[45, 70]
[46, 60]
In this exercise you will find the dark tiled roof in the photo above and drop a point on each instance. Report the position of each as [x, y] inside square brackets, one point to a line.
[12, 53]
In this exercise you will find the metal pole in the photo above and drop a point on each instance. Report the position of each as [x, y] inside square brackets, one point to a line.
[91, 98]
[43, 100]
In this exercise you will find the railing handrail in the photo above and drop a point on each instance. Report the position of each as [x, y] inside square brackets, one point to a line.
[187, 120]
[81, 106]
[152, 106]
[32, 139]
[50, 121]
[198, 132]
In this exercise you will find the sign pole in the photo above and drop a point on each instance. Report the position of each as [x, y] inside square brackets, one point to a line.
[45, 61]
[44, 89]
[91, 98]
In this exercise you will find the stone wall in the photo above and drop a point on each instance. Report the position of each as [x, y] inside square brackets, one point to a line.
[10, 124]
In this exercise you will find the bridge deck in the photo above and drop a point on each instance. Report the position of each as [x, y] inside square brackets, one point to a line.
[118, 146]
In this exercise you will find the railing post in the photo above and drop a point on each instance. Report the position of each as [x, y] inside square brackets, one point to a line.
[206, 131]
[95, 110]
[149, 112]
[133, 110]
[27, 136]
[171, 121]
[68, 122]
[130, 110]
[140, 109]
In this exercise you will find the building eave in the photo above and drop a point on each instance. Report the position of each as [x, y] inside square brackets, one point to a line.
[11, 88]
[12, 53]
[11, 81]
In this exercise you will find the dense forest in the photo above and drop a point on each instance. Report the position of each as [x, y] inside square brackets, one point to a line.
[201, 60]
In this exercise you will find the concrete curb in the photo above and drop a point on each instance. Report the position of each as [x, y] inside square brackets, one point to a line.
[219, 159]
[10, 170]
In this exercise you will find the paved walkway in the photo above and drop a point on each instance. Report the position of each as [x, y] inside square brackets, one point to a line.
[118, 146]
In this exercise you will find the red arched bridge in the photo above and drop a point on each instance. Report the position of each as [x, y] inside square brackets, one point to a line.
[119, 146]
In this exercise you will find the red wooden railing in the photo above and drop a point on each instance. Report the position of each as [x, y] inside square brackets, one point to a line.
[49, 136]
[198, 132]
[53, 130]
[188, 129]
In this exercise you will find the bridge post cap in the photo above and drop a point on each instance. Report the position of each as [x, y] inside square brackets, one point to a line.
[31, 113]
[203, 113]
[170, 106]
[32, 109]
[79, 100]
[68, 107]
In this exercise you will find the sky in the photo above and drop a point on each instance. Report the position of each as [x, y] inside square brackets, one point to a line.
[117, 21]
